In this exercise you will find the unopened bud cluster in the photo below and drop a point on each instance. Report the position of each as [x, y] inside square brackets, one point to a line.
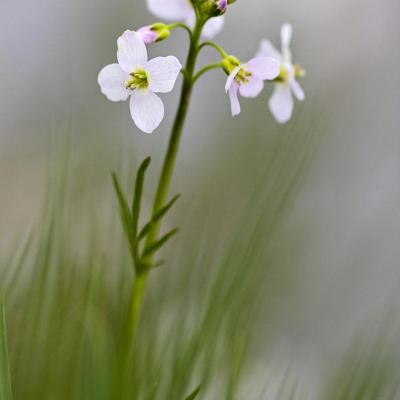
[212, 8]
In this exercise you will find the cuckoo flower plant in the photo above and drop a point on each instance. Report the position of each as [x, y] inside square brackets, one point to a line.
[136, 78]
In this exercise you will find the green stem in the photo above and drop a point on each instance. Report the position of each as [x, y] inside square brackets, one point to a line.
[180, 25]
[206, 69]
[141, 278]
[215, 46]
[135, 308]
[136, 304]
[174, 142]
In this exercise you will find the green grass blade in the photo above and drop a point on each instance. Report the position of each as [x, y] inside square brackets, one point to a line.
[194, 394]
[5, 382]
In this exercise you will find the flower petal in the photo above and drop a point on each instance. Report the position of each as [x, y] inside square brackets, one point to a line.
[170, 9]
[267, 49]
[231, 78]
[286, 38]
[265, 68]
[131, 51]
[213, 27]
[297, 90]
[163, 72]
[253, 88]
[147, 110]
[112, 82]
[281, 103]
[233, 96]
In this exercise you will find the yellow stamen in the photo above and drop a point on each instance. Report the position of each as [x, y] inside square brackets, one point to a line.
[138, 79]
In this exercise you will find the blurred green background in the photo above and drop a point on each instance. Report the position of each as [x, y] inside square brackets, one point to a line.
[310, 208]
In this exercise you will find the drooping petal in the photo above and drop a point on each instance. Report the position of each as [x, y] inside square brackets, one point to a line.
[267, 49]
[231, 78]
[233, 96]
[163, 72]
[297, 90]
[112, 82]
[131, 51]
[265, 68]
[286, 38]
[147, 110]
[213, 27]
[253, 88]
[173, 10]
[281, 103]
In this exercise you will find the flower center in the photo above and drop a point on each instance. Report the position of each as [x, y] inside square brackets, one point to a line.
[138, 79]
[242, 76]
[286, 71]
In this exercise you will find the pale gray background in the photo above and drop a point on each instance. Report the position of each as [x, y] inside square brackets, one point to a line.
[52, 50]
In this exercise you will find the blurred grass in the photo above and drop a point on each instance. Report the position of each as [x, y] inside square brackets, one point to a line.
[67, 286]
[67, 281]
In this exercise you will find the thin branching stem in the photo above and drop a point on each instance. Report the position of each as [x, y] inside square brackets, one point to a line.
[220, 50]
[181, 25]
[205, 69]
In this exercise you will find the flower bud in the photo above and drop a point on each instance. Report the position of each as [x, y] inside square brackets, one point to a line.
[212, 8]
[154, 33]
[229, 63]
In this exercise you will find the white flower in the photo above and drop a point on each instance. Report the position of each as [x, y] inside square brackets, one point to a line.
[136, 77]
[248, 79]
[182, 10]
[281, 102]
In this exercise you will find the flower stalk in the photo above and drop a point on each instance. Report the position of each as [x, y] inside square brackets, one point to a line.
[140, 80]
[164, 183]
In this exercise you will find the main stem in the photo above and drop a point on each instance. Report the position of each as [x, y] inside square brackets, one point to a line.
[166, 175]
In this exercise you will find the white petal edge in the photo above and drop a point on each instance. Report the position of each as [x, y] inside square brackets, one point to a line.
[253, 88]
[286, 38]
[171, 10]
[112, 82]
[267, 49]
[163, 73]
[234, 99]
[213, 27]
[265, 68]
[132, 51]
[281, 103]
[231, 78]
[147, 110]
[297, 90]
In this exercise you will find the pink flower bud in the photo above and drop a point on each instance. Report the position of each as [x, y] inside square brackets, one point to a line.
[148, 34]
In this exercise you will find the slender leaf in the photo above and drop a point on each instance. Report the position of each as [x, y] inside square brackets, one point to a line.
[159, 243]
[157, 217]
[137, 198]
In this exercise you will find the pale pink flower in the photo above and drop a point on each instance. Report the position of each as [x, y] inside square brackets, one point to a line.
[248, 79]
[281, 103]
[136, 77]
